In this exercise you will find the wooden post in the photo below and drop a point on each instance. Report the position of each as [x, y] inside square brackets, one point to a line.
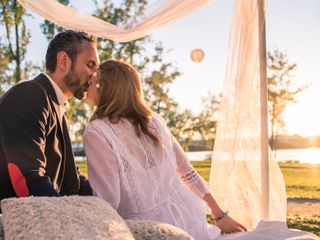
[265, 191]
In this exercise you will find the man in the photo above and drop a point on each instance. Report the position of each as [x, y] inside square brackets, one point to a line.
[35, 150]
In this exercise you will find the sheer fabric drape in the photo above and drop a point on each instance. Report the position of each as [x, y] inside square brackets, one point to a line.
[155, 16]
[235, 178]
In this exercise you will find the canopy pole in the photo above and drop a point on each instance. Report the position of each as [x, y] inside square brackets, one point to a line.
[265, 191]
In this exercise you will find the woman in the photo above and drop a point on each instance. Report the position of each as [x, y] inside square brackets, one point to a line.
[135, 163]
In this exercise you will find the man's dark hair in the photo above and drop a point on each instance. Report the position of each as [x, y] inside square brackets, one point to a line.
[68, 41]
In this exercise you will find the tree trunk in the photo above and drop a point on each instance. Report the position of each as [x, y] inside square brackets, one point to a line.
[273, 135]
[17, 55]
[272, 127]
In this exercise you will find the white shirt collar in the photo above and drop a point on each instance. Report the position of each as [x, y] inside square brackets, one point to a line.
[62, 99]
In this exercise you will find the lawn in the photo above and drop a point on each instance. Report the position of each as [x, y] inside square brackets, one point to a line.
[302, 181]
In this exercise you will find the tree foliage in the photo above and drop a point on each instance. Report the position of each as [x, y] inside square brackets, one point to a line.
[4, 62]
[198, 131]
[207, 120]
[16, 39]
[156, 85]
[282, 89]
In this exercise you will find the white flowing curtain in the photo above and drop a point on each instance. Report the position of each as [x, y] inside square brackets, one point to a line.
[155, 16]
[236, 174]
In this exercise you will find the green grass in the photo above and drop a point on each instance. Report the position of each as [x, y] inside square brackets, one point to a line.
[302, 181]
[83, 167]
[306, 223]
[203, 168]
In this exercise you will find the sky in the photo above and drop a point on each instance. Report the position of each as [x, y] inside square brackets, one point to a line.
[293, 26]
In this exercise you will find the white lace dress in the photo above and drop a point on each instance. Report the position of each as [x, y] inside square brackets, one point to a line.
[142, 181]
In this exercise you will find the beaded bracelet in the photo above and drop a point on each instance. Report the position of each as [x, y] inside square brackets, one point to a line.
[222, 216]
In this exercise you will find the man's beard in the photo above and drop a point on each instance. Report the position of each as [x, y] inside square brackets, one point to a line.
[73, 82]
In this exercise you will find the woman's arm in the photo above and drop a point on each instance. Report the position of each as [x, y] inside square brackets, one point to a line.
[198, 186]
[103, 170]
[188, 175]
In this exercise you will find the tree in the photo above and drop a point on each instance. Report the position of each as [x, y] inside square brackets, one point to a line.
[189, 127]
[156, 90]
[184, 128]
[281, 89]
[78, 115]
[207, 120]
[17, 37]
[4, 62]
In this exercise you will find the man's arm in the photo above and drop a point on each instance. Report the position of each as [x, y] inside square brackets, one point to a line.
[23, 126]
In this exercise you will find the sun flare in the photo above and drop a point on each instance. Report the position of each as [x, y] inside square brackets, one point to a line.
[303, 117]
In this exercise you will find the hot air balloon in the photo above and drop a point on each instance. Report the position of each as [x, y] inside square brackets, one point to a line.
[197, 55]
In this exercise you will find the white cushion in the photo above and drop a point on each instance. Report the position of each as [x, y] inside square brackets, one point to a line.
[143, 230]
[1, 229]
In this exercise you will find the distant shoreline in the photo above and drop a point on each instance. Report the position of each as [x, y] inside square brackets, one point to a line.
[290, 155]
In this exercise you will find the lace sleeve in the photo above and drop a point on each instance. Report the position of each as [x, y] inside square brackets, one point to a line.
[188, 175]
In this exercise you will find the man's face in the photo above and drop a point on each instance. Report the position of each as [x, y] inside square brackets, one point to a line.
[82, 70]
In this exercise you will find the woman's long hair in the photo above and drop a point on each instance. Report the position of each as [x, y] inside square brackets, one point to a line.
[121, 97]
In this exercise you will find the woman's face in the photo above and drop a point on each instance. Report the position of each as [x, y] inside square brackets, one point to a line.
[93, 94]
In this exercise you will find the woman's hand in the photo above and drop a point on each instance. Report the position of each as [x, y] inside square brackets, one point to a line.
[224, 222]
[228, 225]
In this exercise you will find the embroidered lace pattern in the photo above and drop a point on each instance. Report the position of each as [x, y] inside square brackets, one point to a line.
[151, 161]
[148, 150]
[132, 185]
[169, 155]
[189, 177]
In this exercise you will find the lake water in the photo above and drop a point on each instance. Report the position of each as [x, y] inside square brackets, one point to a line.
[303, 155]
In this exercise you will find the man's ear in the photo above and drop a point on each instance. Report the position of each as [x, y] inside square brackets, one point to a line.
[63, 61]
